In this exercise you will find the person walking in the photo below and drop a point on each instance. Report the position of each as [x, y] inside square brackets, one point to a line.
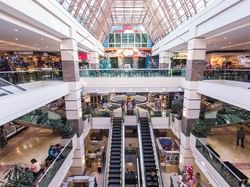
[241, 136]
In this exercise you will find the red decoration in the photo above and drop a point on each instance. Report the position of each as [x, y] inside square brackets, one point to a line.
[83, 56]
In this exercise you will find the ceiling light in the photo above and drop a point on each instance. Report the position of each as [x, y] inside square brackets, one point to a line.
[42, 38]
[47, 47]
[208, 42]
[16, 38]
[215, 46]
[225, 38]
[229, 42]
[16, 30]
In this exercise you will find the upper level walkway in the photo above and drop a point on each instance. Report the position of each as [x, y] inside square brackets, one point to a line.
[42, 87]
[36, 95]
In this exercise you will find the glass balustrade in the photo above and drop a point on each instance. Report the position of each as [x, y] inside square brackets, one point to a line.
[132, 72]
[49, 174]
[229, 176]
[18, 77]
[228, 74]
[49, 119]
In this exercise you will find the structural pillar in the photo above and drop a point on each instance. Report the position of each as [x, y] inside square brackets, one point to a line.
[70, 68]
[191, 105]
[94, 60]
[164, 60]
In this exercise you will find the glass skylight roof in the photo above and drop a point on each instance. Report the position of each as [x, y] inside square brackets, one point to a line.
[158, 17]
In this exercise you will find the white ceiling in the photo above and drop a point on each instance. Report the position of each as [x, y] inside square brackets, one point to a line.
[16, 38]
[236, 38]
[233, 40]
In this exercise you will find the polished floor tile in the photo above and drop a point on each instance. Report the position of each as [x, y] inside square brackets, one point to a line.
[223, 141]
[28, 144]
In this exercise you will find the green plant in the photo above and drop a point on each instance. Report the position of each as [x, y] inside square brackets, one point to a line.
[200, 128]
[19, 177]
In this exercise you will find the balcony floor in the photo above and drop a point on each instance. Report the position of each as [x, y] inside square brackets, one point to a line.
[223, 141]
[28, 144]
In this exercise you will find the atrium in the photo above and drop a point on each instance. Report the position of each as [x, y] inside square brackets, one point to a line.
[124, 93]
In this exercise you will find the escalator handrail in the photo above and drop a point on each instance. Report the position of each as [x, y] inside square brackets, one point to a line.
[11, 84]
[141, 155]
[123, 153]
[107, 164]
[157, 163]
[7, 91]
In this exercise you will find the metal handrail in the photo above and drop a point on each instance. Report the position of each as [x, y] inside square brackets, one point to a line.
[155, 153]
[106, 171]
[7, 91]
[55, 160]
[240, 70]
[138, 172]
[141, 154]
[11, 84]
[211, 152]
[28, 71]
[123, 154]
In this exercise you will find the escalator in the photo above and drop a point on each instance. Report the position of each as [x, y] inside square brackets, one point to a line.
[9, 88]
[149, 163]
[116, 159]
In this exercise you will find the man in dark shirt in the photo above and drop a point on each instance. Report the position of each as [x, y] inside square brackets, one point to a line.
[241, 136]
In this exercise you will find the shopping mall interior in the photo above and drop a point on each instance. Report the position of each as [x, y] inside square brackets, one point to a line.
[124, 93]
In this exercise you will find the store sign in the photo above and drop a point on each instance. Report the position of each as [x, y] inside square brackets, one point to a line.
[128, 52]
[244, 60]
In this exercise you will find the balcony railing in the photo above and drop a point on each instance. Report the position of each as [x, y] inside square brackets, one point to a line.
[19, 77]
[229, 176]
[228, 74]
[132, 72]
[47, 177]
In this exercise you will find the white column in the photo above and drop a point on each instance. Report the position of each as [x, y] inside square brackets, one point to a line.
[164, 59]
[191, 105]
[70, 67]
[94, 60]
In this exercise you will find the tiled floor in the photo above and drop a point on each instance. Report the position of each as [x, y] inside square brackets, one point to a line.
[223, 141]
[28, 144]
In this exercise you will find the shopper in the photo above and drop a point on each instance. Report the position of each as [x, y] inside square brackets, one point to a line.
[153, 173]
[35, 167]
[241, 136]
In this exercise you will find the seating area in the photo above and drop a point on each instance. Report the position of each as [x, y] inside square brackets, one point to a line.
[115, 162]
[148, 154]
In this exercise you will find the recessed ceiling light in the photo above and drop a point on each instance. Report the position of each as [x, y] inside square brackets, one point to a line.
[47, 47]
[16, 30]
[42, 38]
[225, 38]
[215, 46]
[208, 42]
[16, 38]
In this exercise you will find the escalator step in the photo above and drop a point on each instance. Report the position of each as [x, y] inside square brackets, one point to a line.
[116, 175]
[115, 161]
[115, 171]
